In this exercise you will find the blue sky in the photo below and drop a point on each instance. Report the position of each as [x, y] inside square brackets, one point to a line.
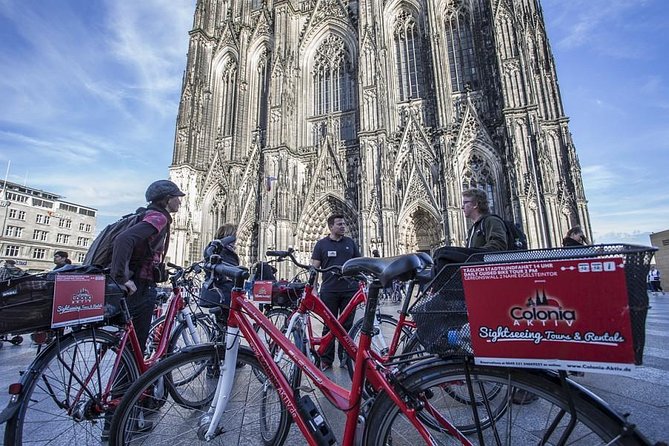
[90, 91]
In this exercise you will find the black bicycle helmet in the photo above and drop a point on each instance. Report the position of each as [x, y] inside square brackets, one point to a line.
[161, 189]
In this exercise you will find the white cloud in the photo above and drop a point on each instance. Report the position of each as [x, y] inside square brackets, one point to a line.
[154, 52]
[598, 177]
[635, 238]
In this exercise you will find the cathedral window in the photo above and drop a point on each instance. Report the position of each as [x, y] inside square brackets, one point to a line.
[408, 56]
[478, 174]
[228, 97]
[260, 109]
[461, 57]
[333, 84]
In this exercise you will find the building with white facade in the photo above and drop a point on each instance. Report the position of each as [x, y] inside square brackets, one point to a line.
[36, 223]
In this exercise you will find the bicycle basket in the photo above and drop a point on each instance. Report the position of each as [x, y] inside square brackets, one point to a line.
[285, 294]
[441, 314]
[26, 303]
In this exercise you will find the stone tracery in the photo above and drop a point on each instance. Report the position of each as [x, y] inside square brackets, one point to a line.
[388, 138]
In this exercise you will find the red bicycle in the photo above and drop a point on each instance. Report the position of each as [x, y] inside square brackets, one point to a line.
[79, 378]
[258, 394]
[391, 336]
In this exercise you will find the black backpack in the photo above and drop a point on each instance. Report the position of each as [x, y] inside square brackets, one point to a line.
[100, 252]
[515, 237]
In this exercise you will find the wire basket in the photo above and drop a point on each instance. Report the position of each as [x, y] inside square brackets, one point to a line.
[440, 312]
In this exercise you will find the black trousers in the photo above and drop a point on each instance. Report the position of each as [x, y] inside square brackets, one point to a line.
[141, 304]
[656, 286]
[452, 254]
[336, 301]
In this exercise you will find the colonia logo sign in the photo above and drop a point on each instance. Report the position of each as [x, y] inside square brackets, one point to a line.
[542, 310]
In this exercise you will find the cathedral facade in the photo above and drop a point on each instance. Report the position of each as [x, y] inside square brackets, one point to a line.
[380, 110]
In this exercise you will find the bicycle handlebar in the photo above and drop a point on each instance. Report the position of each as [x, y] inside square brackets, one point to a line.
[180, 272]
[282, 255]
[236, 273]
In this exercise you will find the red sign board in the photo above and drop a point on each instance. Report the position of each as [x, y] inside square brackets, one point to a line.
[262, 291]
[78, 299]
[561, 314]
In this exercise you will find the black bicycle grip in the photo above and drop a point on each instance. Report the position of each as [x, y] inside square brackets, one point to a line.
[172, 265]
[277, 253]
[234, 273]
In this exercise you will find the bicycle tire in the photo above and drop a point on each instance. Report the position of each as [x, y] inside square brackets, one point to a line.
[49, 390]
[173, 424]
[202, 321]
[207, 328]
[279, 316]
[382, 338]
[516, 424]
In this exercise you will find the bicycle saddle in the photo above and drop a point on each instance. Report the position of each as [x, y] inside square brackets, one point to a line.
[386, 269]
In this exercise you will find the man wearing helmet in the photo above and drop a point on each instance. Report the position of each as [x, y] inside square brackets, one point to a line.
[139, 250]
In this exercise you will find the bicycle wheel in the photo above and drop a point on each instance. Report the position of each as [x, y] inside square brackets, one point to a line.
[207, 331]
[384, 330]
[180, 336]
[63, 387]
[279, 316]
[270, 396]
[140, 420]
[541, 419]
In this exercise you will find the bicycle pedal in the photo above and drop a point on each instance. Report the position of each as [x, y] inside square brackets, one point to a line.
[305, 389]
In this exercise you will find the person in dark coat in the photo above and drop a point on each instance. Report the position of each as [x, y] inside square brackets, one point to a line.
[138, 254]
[574, 237]
[487, 233]
[216, 290]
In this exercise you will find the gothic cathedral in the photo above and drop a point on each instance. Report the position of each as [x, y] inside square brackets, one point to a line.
[381, 110]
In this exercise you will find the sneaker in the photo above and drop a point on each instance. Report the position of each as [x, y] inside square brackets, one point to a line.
[523, 397]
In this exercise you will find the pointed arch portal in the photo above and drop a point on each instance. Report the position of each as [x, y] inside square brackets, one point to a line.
[313, 225]
[419, 230]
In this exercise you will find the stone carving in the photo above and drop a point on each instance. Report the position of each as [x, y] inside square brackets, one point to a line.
[470, 124]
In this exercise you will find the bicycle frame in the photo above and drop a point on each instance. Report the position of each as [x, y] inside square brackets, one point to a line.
[177, 307]
[243, 315]
[321, 343]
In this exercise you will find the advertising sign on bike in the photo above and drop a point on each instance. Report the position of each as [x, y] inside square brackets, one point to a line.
[78, 299]
[262, 291]
[557, 314]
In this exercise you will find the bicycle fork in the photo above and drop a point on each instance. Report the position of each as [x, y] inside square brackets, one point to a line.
[209, 423]
[187, 317]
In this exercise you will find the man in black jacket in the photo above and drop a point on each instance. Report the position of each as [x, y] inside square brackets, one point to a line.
[139, 251]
